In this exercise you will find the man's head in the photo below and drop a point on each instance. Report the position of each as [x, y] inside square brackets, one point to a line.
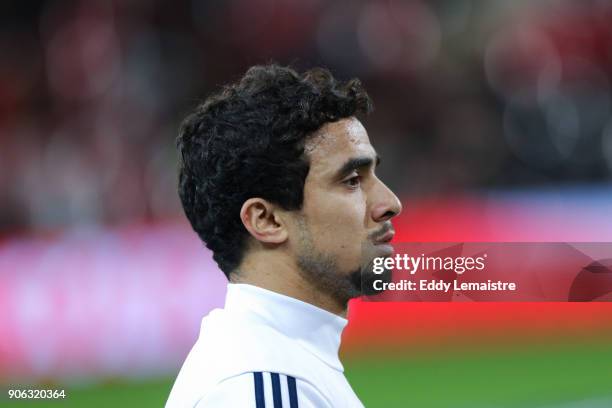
[277, 164]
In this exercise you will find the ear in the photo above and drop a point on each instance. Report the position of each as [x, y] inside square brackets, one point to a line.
[263, 221]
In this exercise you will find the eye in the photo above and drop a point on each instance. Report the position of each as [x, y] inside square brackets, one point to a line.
[353, 182]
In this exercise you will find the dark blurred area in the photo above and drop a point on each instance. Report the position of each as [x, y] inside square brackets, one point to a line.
[469, 95]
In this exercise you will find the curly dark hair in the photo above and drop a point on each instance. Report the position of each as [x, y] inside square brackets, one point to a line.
[248, 141]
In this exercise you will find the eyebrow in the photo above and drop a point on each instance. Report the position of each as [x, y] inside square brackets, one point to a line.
[355, 163]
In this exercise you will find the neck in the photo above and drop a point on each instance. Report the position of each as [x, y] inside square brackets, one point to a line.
[282, 276]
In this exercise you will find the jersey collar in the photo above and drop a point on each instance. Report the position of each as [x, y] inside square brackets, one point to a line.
[315, 329]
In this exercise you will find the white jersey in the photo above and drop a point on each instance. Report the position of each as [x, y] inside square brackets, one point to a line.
[264, 349]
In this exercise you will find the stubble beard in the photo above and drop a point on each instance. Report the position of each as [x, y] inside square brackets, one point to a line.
[321, 271]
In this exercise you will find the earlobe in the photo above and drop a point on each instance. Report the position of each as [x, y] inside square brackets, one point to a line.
[262, 221]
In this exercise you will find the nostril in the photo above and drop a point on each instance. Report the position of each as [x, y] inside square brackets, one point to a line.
[388, 214]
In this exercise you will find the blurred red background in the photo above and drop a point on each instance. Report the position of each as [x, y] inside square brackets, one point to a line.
[493, 119]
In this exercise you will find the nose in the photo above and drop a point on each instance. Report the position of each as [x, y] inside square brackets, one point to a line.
[386, 204]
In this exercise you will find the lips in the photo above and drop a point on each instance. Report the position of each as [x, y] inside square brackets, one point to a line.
[385, 238]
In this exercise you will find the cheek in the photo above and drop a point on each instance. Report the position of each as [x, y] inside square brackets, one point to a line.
[339, 215]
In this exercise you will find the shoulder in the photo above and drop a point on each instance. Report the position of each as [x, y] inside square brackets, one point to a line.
[236, 344]
[264, 389]
[228, 352]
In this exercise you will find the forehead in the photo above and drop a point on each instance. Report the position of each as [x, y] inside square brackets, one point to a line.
[336, 142]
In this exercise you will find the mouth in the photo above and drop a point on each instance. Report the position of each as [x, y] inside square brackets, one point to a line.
[385, 238]
[383, 244]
